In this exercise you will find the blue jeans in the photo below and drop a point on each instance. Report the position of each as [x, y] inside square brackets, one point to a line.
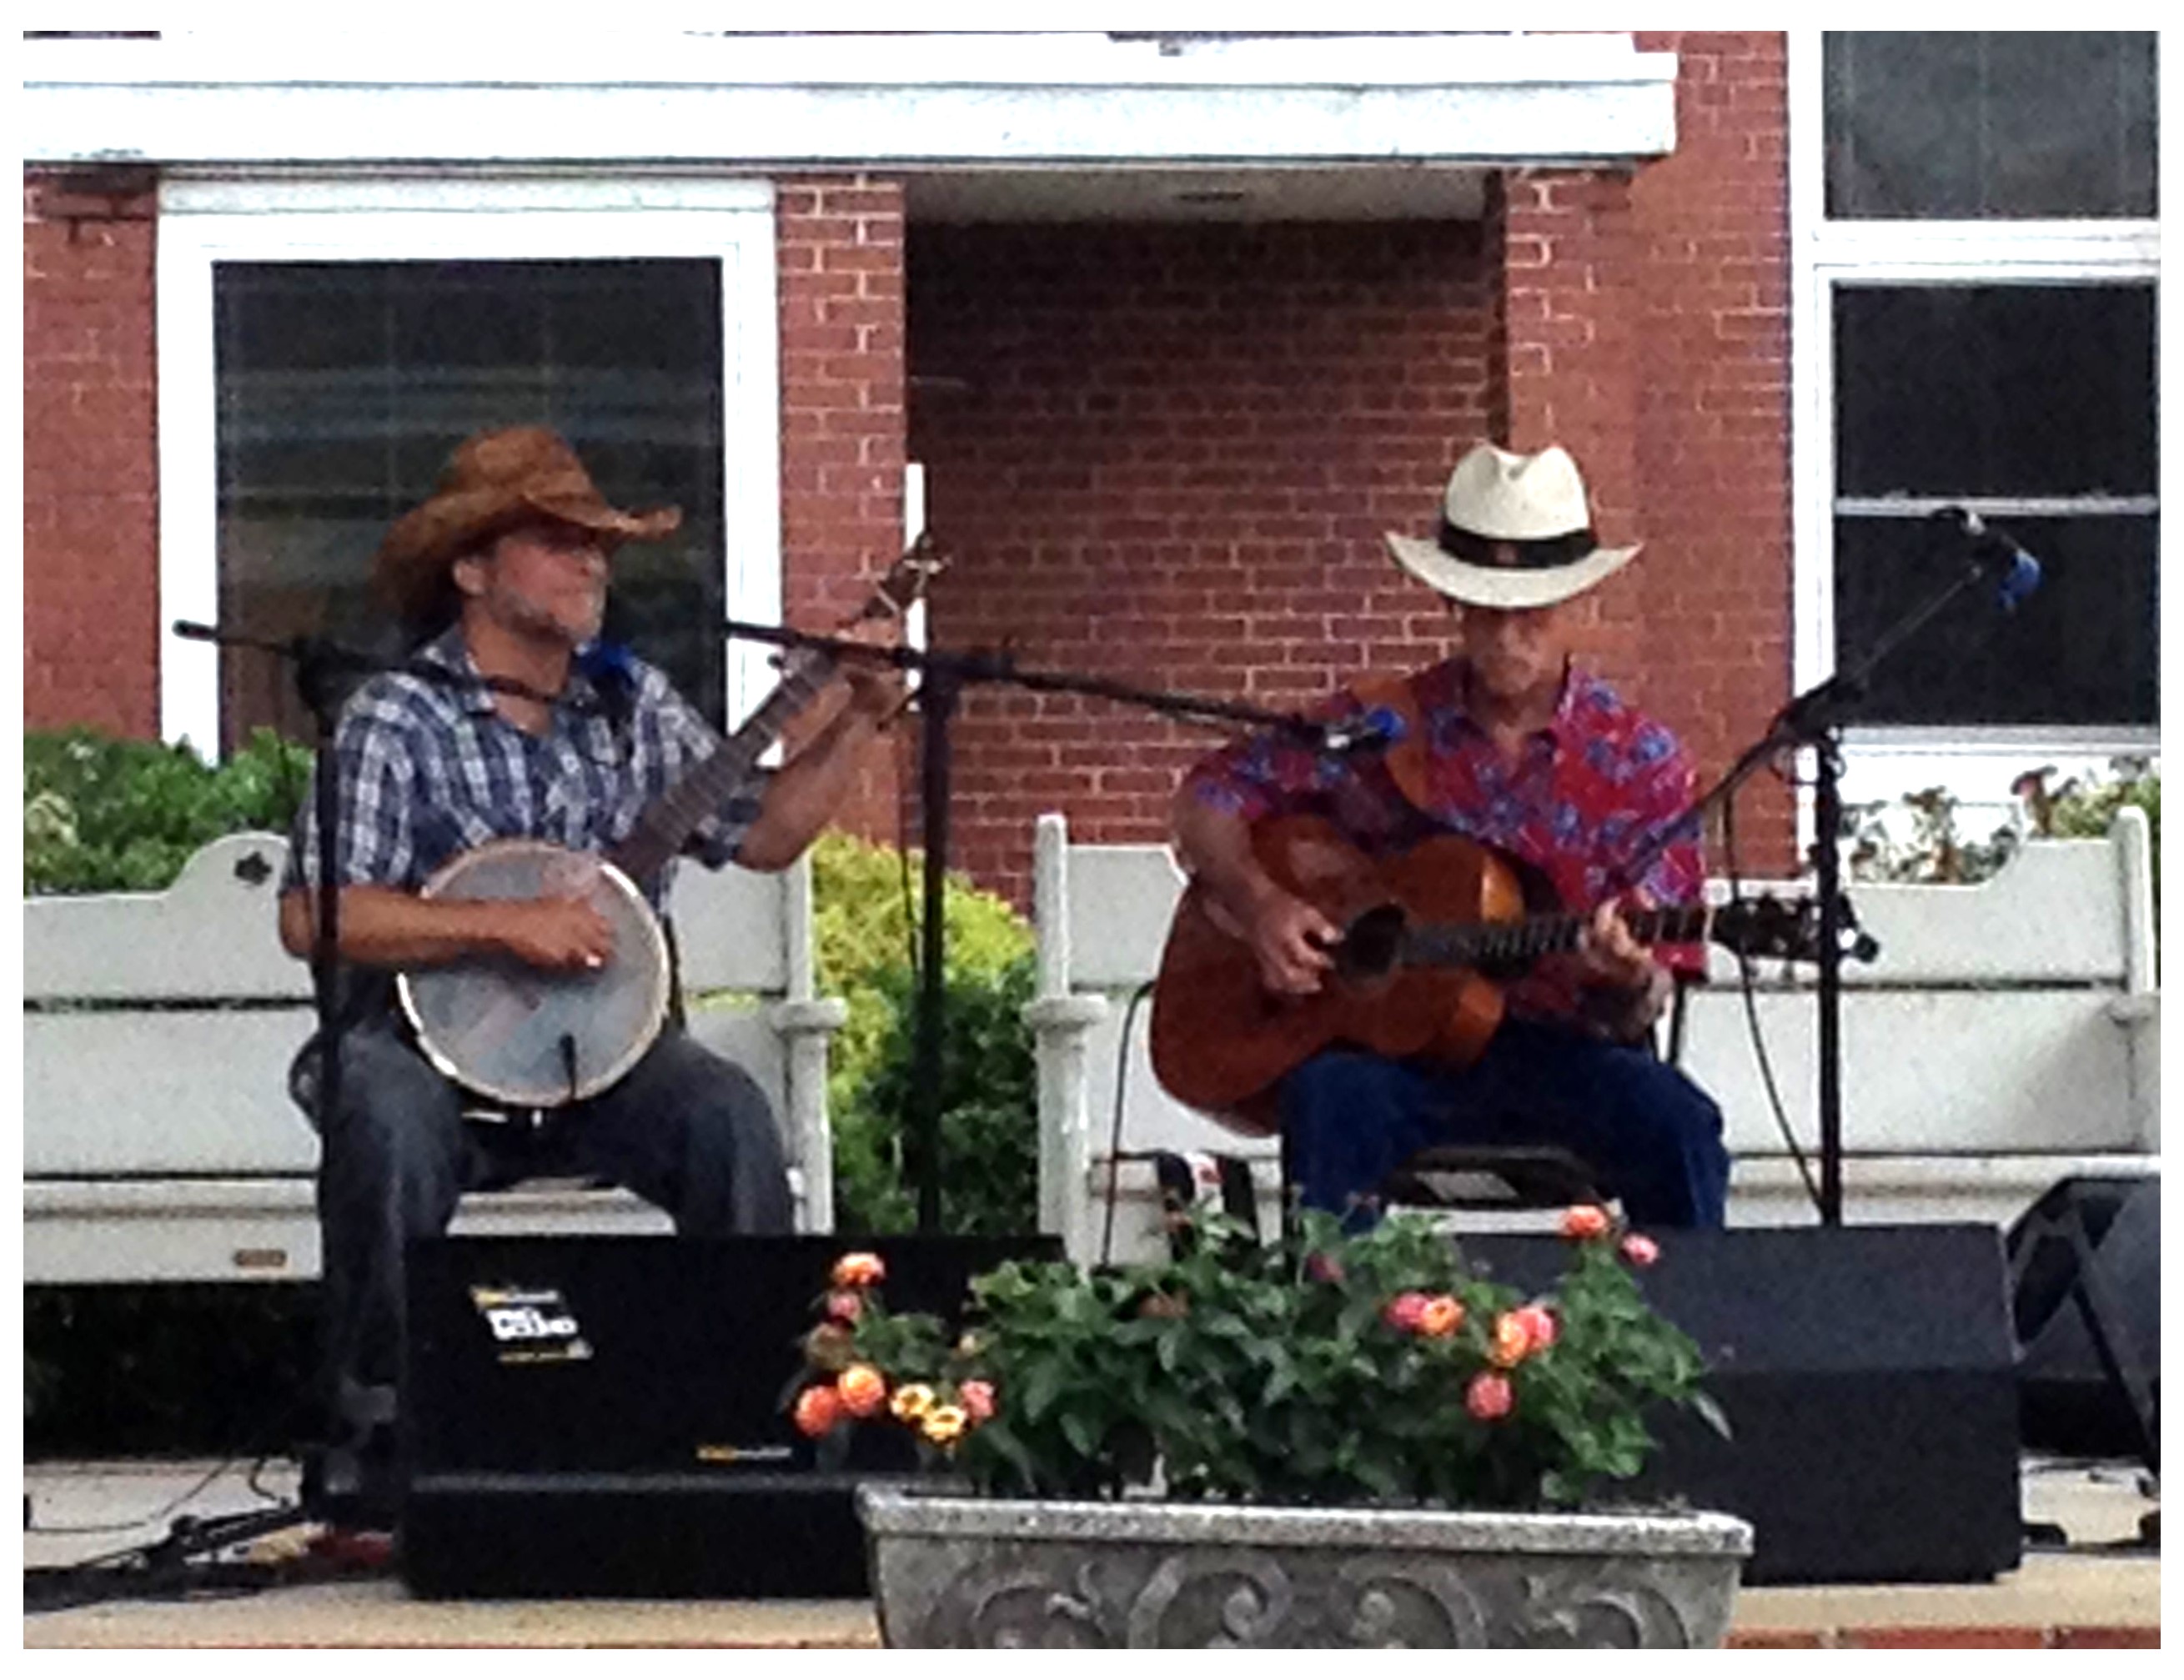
[687, 1131]
[1651, 1136]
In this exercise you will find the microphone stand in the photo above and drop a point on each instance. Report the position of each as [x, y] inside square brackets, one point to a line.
[1815, 719]
[943, 676]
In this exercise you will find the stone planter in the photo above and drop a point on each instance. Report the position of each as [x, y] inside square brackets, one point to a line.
[957, 1571]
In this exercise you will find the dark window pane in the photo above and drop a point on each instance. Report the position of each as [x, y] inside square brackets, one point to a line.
[1995, 390]
[2081, 650]
[1985, 124]
[343, 387]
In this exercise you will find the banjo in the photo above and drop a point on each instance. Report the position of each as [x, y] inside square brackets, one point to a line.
[541, 1038]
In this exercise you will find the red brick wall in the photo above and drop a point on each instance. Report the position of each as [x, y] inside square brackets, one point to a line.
[1712, 431]
[1165, 455]
[90, 634]
[840, 268]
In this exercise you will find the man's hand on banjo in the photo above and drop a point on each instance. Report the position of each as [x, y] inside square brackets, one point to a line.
[557, 933]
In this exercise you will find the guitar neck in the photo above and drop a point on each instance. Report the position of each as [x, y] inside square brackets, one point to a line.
[1475, 945]
[671, 820]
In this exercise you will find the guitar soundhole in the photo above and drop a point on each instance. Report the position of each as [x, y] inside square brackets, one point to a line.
[1372, 944]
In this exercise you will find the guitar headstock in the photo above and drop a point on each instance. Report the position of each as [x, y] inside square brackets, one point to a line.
[1784, 928]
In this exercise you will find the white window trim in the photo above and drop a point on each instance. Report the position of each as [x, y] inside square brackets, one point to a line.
[1884, 761]
[478, 216]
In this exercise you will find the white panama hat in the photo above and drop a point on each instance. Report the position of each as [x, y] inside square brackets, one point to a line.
[1516, 531]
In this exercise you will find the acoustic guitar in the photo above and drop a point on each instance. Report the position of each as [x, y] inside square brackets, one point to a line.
[541, 1038]
[1430, 938]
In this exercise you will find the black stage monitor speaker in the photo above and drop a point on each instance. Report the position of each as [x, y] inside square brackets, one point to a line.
[1867, 1373]
[2085, 1266]
[589, 1416]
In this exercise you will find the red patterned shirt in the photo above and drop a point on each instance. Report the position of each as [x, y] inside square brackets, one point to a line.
[1587, 791]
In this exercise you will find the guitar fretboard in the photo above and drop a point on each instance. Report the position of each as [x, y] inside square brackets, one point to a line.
[1477, 944]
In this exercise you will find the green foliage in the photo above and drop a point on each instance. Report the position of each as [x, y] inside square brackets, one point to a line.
[102, 814]
[1323, 1369]
[864, 897]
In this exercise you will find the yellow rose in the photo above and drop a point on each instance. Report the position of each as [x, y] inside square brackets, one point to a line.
[912, 1401]
[942, 1424]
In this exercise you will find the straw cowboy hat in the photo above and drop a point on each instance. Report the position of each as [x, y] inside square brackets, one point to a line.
[1515, 531]
[494, 482]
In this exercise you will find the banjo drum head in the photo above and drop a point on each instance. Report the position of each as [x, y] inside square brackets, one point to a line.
[515, 1032]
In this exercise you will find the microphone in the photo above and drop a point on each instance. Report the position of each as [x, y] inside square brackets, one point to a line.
[2020, 572]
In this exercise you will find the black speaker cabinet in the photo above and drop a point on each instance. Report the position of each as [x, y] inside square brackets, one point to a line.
[1868, 1375]
[603, 1416]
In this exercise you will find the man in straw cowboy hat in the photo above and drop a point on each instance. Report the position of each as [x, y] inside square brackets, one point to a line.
[503, 573]
[1511, 744]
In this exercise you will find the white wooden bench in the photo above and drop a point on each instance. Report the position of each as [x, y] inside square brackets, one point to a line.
[158, 1140]
[2006, 1037]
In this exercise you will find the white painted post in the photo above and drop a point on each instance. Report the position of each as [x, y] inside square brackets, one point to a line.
[1061, 1023]
[806, 1024]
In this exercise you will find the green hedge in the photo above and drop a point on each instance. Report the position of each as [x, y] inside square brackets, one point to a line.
[107, 815]
[866, 898]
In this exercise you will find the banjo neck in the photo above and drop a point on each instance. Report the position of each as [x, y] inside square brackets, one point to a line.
[669, 821]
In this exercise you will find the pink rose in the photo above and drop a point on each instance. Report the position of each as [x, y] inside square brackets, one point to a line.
[1323, 1269]
[1539, 1324]
[1489, 1397]
[1641, 1249]
[845, 1305]
[1408, 1311]
[978, 1399]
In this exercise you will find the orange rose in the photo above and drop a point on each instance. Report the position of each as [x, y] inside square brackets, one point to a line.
[863, 1390]
[857, 1271]
[977, 1400]
[1489, 1397]
[1512, 1340]
[817, 1410]
[1442, 1315]
[1583, 1223]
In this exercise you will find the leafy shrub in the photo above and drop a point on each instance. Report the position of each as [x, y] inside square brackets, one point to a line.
[1322, 1369]
[864, 897]
[102, 814]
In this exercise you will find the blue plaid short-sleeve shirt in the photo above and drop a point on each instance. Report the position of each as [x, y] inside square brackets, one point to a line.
[430, 770]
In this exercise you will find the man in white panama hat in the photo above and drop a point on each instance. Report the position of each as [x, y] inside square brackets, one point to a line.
[1511, 744]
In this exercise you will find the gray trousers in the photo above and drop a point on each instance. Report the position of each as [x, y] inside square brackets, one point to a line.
[689, 1131]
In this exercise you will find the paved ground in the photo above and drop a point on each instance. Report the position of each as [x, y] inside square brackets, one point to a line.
[2100, 1588]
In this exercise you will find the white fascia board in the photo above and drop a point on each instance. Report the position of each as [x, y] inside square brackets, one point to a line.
[1080, 100]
